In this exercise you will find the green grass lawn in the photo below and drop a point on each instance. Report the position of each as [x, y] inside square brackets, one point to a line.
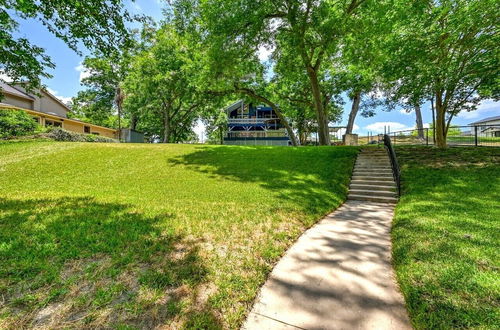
[140, 236]
[446, 236]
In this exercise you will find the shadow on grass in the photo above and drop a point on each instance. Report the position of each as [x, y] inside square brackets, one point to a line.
[446, 237]
[78, 262]
[314, 179]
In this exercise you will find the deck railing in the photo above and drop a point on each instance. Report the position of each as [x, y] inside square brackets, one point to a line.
[250, 120]
[257, 134]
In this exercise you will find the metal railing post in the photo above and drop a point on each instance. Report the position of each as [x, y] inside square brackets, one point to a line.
[426, 136]
[394, 162]
[475, 135]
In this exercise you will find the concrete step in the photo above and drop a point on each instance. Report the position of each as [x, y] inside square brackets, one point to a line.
[373, 182]
[374, 173]
[374, 170]
[376, 193]
[372, 156]
[372, 164]
[367, 161]
[380, 199]
[377, 168]
[379, 187]
[389, 178]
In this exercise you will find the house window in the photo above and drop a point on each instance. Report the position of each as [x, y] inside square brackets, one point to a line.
[86, 129]
[54, 123]
[497, 134]
[95, 133]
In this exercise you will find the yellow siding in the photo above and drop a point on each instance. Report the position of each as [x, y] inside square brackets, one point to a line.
[102, 131]
[73, 126]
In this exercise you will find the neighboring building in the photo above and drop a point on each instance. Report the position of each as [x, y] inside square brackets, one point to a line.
[488, 127]
[47, 110]
[254, 125]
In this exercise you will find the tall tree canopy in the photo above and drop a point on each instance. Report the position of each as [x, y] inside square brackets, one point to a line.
[99, 25]
[446, 51]
[159, 92]
[310, 30]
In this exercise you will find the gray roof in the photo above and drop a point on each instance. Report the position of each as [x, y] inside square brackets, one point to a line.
[14, 91]
[485, 120]
[234, 106]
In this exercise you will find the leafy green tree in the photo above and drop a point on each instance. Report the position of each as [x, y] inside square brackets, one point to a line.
[216, 126]
[447, 51]
[99, 25]
[311, 30]
[96, 103]
[223, 68]
[101, 101]
[158, 90]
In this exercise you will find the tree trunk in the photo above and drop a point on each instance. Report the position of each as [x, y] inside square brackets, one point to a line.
[420, 124]
[354, 111]
[133, 122]
[166, 127]
[119, 101]
[433, 121]
[321, 115]
[285, 123]
[440, 122]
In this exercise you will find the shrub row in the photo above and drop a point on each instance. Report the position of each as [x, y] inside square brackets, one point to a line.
[59, 134]
[15, 123]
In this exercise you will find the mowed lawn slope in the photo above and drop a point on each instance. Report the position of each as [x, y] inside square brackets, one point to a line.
[140, 236]
[446, 236]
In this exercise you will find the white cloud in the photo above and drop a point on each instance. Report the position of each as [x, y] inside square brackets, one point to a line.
[63, 99]
[485, 109]
[264, 53]
[84, 72]
[4, 77]
[378, 127]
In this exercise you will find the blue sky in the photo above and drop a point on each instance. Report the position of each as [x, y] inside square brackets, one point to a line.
[68, 72]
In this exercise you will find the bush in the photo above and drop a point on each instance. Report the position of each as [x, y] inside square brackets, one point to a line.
[60, 134]
[16, 123]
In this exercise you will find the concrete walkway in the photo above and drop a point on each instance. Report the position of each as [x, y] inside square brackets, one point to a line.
[338, 275]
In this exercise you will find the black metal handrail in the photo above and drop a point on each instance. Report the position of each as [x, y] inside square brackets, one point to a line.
[396, 172]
